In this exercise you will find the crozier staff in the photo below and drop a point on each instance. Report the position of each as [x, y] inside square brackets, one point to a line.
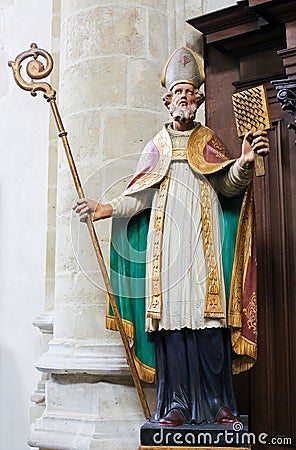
[184, 307]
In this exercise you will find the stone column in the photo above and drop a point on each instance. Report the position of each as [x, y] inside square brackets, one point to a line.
[111, 59]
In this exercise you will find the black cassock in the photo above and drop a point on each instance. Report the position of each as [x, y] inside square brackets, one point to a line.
[193, 370]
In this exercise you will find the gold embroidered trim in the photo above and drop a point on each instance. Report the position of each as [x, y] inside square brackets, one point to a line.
[196, 143]
[146, 373]
[163, 143]
[213, 306]
[240, 263]
[127, 325]
[154, 310]
[242, 364]
[251, 314]
[179, 153]
[219, 147]
[242, 346]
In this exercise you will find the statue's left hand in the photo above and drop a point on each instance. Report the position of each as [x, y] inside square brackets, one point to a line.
[254, 142]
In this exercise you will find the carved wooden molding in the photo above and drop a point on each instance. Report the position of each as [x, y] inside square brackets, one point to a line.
[242, 26]
[287, 97]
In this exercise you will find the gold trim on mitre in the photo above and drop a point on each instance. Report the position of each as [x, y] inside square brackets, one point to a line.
[183, 66]
[197, 142]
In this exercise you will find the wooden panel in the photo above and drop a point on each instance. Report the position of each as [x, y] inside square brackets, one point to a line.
[269, 384]
[219, 88]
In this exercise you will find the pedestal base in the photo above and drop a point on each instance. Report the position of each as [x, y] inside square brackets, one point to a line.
[203, 437]
[84, 413]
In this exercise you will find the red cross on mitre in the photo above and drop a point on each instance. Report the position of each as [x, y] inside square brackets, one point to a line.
[184, 60]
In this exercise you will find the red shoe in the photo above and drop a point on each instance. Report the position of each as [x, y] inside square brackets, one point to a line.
[173, 418]
[225, 416]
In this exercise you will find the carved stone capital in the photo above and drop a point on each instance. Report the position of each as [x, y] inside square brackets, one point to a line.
[287, 97]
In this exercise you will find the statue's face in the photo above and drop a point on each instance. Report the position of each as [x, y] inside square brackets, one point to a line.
[182, 103]
[183, 96]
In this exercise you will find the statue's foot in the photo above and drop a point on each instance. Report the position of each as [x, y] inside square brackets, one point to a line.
[225, 416]
[173, 418]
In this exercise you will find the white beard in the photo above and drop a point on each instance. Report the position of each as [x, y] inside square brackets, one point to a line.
[183, 115]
